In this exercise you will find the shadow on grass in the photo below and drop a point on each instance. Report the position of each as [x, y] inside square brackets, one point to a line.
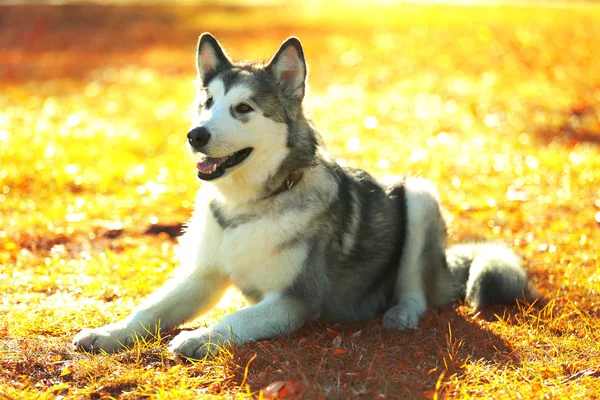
[373, 360]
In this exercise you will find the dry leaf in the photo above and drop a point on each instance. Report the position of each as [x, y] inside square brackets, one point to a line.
[337, 342]
[333, 332]
[283, 389]
[59, 387]
[67, 370]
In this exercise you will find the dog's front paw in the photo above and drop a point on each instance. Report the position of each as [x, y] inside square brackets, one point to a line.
[108, 338]
[400, 317]
[197, 344]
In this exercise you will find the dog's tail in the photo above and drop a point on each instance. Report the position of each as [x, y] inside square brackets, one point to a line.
[487, 274]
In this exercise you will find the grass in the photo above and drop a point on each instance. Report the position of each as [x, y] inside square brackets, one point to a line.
[500, 106]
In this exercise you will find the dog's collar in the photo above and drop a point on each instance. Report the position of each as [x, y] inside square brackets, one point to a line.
[291, 181]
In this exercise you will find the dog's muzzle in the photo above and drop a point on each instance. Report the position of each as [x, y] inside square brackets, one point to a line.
[208, 167]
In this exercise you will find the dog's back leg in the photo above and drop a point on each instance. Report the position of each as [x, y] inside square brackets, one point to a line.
[423, 254]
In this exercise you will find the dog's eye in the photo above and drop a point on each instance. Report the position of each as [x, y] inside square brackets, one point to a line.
[208, 103]
[243, 108]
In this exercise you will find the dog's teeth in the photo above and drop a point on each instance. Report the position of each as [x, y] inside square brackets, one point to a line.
[214, 168]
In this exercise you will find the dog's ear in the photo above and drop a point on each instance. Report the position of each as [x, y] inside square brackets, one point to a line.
[289, 68]
[211, 57]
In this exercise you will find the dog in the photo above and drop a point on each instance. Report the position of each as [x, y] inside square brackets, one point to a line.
[300, 236]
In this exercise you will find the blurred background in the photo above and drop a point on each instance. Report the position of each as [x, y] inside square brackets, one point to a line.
[96, 97]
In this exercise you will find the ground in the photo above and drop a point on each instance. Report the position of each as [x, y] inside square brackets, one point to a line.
[499, 107]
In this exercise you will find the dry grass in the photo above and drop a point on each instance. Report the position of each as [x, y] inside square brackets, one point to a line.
[499, 106]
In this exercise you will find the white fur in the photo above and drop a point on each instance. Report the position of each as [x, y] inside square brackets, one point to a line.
[228, 135]
[247, 256]
[180, 300]
[237, 256]
[273, 315]
[250, 256]
[422, 212]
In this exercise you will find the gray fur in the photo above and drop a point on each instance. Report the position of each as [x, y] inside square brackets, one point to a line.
[495, 275]
[308, 286]
[261, 82]
[251, 294]
[231, 222]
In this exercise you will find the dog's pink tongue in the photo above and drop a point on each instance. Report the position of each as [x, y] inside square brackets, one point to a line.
[208, 165]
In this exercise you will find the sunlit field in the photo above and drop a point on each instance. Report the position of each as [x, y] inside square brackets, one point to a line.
[500, 107]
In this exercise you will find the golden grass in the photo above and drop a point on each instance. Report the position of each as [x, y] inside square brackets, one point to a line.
[499, 106]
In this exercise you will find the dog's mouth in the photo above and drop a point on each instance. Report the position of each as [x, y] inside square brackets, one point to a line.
[210, 168]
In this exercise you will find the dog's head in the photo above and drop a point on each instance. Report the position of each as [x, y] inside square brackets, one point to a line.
[248, 114]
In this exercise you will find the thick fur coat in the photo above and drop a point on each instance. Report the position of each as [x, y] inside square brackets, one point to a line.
[300, 236]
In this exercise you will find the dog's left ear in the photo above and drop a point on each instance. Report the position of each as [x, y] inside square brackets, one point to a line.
[289, 68]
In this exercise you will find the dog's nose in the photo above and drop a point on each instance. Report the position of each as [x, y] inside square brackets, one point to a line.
[198, 137]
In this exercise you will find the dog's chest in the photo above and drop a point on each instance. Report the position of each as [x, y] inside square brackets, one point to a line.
[255, 250]
[252, 257]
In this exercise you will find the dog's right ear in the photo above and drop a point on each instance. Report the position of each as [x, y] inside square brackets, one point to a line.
[211, 57]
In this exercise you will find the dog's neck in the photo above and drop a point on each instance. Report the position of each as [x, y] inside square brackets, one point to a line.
[291, 181]
[236, 193]
[268, 175]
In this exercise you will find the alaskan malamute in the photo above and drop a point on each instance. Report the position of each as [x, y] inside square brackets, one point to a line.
[300, 236]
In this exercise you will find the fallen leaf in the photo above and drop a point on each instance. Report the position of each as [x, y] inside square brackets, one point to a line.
[333, 332]
[283, 389]
[273, 388]
[59, 387]
[337, 342]
[67, 370]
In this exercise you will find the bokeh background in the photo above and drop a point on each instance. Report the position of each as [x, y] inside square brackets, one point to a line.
[498, 103]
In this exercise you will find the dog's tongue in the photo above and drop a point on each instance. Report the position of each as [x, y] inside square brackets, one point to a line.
[208, 165]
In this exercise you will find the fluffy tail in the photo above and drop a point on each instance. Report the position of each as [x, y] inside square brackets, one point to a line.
[487, 274]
